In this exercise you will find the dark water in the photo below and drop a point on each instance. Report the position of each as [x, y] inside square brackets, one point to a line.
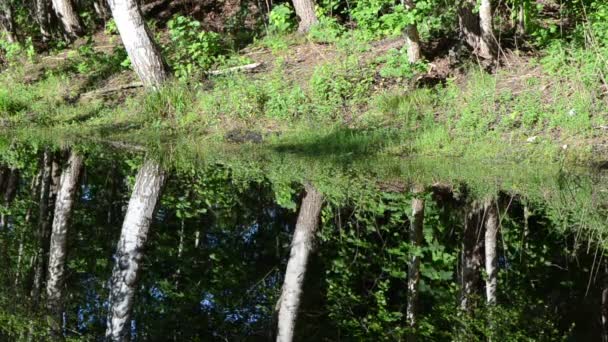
[220, 241]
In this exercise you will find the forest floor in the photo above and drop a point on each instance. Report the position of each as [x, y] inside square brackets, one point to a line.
[541, 104]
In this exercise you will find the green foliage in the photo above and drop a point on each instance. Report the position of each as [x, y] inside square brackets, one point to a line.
[191, 50]
[17, 52]
[281, 19]
[327, 30]
[336, 86]
[396, 65]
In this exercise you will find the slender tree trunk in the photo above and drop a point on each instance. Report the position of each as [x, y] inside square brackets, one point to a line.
[129, 252]
[412, 37]
[43, 16]
[43, 233]
[521, 20]
[145, 56]
[58, 247]
[65, 11]
[413, 277]
[7, 22]
[471, 259]
[149, 65]
[301, 247]
[476, 30]
[305, 10]
[488, 44]
[491, 225]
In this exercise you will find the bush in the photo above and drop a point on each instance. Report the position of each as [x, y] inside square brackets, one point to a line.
[191, 49]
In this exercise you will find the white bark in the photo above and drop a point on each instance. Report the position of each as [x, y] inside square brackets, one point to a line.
[413, 276]
[412, 38]
[129, 251]
[143, 52]
[487, 44]
[63, 210]
[476, 29]
[148, 64]
[305, 10]
[67, 15]
[491, 216]
[301, 247]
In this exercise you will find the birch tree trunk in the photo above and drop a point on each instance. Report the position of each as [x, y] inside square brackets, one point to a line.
[153, 72]
[129, 251]
[475, 29]
[56, 271]
[65, 11]
[43, 16]
[305, 10]
[491, 225]
[413, 276]
[43, 231]
[488, 44]
[301, 247]
[412, 37]
[145, 56]
[471, 259]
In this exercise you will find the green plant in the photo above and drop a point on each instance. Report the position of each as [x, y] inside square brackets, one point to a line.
[191, 49]
[396, 65]
[327, 30]
[281, 19]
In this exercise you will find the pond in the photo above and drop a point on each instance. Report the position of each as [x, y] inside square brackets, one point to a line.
[400, 246]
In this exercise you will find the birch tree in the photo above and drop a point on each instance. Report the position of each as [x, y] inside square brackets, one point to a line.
[301, 247]
[477, 29]
[491, 225]
[67, 15]
[413, 273]
[58, 246]
[149, 65]
[412, 38]
[305, 10]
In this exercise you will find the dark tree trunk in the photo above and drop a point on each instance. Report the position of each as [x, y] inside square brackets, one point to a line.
[44, 229]
[43, 16]
[9, 194]
[7, 22]
[472, 258]
[301, 247]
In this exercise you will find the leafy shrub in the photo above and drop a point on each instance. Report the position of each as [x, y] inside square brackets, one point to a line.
[397, 65]
[281, 19]
[336, 86]
[327, 30]
[191, 49]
